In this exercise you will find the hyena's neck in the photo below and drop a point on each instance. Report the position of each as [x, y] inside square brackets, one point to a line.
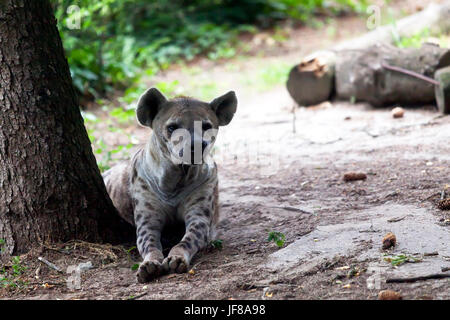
[169, 180]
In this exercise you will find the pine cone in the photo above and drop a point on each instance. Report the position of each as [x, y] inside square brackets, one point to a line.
[389, 295]
[389, 240]
[352, 176]
[444, 204]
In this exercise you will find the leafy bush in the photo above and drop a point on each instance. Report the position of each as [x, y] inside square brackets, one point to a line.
[119, 40]
[10, 276]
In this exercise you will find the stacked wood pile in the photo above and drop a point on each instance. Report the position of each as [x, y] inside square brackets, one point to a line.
[378, 73]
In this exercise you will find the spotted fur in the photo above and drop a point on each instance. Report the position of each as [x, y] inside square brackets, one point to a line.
[152, 191]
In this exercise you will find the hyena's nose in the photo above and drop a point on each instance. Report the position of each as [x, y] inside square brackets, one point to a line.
[204, 145]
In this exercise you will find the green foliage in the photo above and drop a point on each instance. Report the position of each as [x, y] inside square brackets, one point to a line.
[131, 249]
[277, 237]
[269, 76]
[123, 115]
[118, 41]
[401, 259]
[217, 244]
[135, 266]
[413, 41]
[107, 154]
[416, 40]
[10, 276]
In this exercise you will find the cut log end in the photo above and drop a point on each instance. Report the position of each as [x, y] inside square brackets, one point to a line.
[312, 80]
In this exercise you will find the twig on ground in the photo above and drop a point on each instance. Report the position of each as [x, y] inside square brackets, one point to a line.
[294, 130]
[49, 264]
[373, 135]
[421, 278]
[429, 254]
[430, 196]
[197, 264]
[326, 142]
[138, 296]
[294, 209]
[50, 283]
[396, 219]
[56, 249]
[252, 251]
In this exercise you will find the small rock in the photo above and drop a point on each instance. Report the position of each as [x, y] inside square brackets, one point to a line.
[85, 266]
[353, 176]
[398, 112]
[389, 240]
[389, 295]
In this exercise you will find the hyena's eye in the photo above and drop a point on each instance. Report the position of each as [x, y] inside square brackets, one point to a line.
[206, 126]
[171, 128]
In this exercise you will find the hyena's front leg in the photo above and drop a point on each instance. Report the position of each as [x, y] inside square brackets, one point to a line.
[196, 238]
[149, 226]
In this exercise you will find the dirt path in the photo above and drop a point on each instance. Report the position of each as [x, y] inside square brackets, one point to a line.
[275, 179]
[333, 229]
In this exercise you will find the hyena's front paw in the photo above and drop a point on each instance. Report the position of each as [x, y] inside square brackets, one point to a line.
[175, 263]
[148, 270]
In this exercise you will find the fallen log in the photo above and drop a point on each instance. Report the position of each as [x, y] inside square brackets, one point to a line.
[384, 74]
[380, 74]
[313, 80]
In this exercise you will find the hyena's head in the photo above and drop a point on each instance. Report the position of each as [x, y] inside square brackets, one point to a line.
[185, 128]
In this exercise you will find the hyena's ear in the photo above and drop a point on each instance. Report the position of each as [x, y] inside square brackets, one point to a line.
[148, 106]
[225, 107]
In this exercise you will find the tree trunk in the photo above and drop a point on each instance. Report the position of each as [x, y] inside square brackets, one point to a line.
[50, 185]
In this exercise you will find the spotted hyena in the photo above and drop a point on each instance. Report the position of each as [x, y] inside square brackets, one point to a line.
[172, 179]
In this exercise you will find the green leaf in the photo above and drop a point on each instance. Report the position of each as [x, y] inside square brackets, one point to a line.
[217, 244]
[277, 237]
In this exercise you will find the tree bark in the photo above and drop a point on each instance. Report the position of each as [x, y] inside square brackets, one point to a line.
[363, 75]
[50, 186]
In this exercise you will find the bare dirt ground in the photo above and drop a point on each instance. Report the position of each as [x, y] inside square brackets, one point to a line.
[275, 179]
